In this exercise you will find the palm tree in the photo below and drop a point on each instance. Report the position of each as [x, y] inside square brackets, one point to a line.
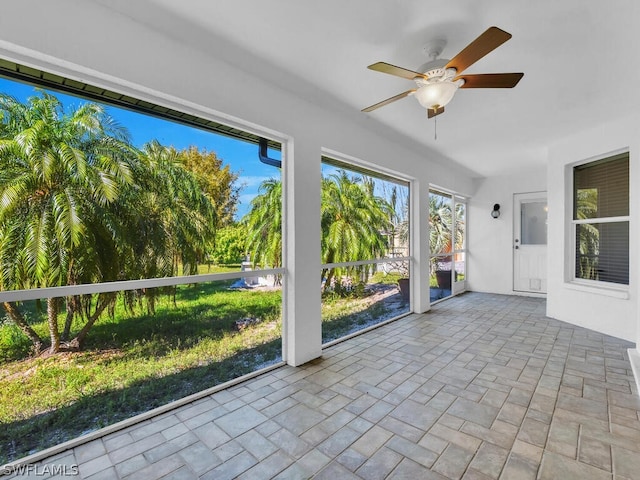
[162, 225]
[175, 219]
[79, 204]
[353, 221]
[444, 238]
[264, 225]
[58, 170]
[440, 224]
[588, 235]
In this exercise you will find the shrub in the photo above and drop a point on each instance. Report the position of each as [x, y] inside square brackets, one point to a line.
[230, 244]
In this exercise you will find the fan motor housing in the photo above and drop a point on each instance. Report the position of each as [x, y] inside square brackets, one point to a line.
[435, 71]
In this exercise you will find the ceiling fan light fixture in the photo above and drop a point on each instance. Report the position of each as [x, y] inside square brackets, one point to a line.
[438, 79]
[437, 94]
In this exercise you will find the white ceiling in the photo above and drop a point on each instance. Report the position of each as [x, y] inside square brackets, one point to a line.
[580, 59]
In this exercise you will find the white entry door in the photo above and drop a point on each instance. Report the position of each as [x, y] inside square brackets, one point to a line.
[530, 242]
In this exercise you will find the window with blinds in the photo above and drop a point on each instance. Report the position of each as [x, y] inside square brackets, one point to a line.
[601, 220]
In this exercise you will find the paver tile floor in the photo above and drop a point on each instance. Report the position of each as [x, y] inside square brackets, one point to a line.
[482, 387]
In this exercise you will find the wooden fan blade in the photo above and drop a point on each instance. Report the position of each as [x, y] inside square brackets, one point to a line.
[491, 39]
[490, 80]
[388, 100]
[432, 112]
[397, 71]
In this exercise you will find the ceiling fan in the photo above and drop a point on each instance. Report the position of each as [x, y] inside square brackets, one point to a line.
[438, 80]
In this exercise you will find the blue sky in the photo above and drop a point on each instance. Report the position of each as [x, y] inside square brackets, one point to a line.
[241, 156]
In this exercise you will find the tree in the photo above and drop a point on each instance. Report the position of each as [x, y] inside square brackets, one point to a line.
[164, 226]
[353, 222]
[58, 172]
[79, 204]
[264, 225]
[443, 237]
[216, 180]
[173, 219]
[440, 224]
[230, 244]
[588, 244]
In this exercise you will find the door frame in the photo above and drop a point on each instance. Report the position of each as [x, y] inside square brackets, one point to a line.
[517, 201]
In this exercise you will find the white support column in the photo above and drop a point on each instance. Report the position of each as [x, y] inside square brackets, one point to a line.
[302, 329]
[420, 301]
[634, 253]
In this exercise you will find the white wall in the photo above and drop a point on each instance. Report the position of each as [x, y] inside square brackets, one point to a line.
[490, 241]
[85, 41]
[490, 256]
[593, 308]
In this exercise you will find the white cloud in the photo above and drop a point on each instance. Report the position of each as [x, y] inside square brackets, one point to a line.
[248, 181]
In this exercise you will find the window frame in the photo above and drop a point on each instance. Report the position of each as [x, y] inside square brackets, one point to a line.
[172, 109]
[573, 280]
[457, 286]
[357, 166]
[204, 118]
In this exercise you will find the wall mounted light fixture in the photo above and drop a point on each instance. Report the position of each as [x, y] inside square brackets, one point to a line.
[495, 213]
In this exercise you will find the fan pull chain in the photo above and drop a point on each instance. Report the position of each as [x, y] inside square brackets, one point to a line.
[435, 127]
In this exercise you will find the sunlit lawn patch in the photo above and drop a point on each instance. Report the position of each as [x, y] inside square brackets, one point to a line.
[343, 316]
